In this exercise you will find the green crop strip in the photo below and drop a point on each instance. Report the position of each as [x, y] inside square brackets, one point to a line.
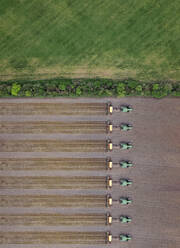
[87, 88]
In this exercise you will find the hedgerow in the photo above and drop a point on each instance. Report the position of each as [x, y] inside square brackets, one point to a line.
[87, 87]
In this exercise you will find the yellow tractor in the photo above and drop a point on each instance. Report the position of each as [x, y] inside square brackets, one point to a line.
[109, 200]
[109, 219]
[109, 108]
[109, 182]
[109, 164]
[109, 127]
[109, 238]
[109, 145]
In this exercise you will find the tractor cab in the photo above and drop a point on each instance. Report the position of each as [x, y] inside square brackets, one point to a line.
[125, 219]
[125, 127]
[125, 145]
[125, 201]
[125, 164]
[126, 108]
[125, 182]
[125, 237]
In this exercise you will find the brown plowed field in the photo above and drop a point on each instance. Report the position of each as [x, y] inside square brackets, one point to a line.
[54, 219]
[74, 201]
[33, 164]
[53, 173]
[53, 127]
[53, 109]
[53, 238]
[53, 182]
[52, 145]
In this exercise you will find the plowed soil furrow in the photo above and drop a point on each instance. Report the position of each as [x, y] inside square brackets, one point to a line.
[53, 182]
[53, 219]
[52, 108]
[52, 127]
[52, 164]
[52, 146]
[53, 237]
[52, 201]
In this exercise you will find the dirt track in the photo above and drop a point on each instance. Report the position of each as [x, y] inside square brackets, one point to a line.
[156, 173]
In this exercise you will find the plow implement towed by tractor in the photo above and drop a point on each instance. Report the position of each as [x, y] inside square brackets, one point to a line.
[122, 182]
[122, 127]
[121, 200]
[122, 145]
[122, 164]
[123, 108]
[123, 219]
[122, 237]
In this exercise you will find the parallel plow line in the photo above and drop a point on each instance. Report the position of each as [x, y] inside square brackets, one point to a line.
[53, 219]
[52, 108]
[52, 164]
[52, 146]
[53, 237]
[52, 127]
[46, 182]
[53, 200]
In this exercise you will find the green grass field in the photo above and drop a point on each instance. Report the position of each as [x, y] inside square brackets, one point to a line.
[137, 39]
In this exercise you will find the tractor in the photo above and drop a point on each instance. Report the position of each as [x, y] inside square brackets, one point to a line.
[109, 219]
[125, 219]
[109, 238]
[126, 108]
[125, 237]
[109, 182]
[109, 145]
[125, 145]
[125, 127]
[109, 108]
[125, 201]
[125, 182]
[109, 164]
[109, 127]
[125, 164]
[109, 201]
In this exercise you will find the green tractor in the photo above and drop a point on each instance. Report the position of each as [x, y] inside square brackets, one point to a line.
[126, 108]
[125, 145]
[125, 201]
[125, 182]
[125, 219]
[125, 164]
[125, 237]
[125, 127]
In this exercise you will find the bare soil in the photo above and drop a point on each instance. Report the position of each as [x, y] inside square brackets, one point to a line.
[155, 191]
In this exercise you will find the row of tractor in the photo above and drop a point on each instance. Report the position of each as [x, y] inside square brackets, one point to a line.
[123, 164]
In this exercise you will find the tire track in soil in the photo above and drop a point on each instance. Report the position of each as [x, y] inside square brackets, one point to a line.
[53, 127]
[74, 201]
[52, 164]
[53, 238]
[52, 146]
[53, 108]
[46, 182]
[53, 219]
